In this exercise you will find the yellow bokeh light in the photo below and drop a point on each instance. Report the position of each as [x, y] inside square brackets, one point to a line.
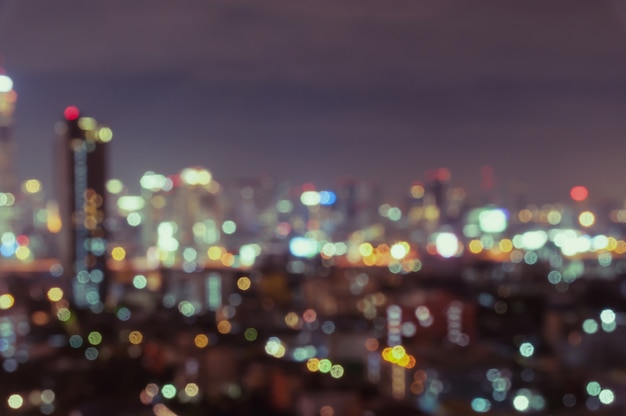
[404, 361]
[55, 294]
[114, 186]
[370, 260]
[224, 327]
[32, 186]
[214, 253]
[398, 352]
[118, 254]
[506, 245]
[54, 224]
[135, 337]
[313, 365]
[6, 301]
[87, 123]
[475, 246]
[398, 355]
[22, 253]
[201, 341]
[243, 283]
[291, 319]
[191, 389]
[611, 244]
[105, 134]
[196, 176]
[586, 218]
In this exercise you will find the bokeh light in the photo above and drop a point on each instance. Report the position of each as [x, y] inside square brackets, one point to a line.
[6, 301]
[526, 349]
[201, 341]
[579, 193]
[135, 337]
[15, 401]
[192, 389]
[55, 294]
[586, 218]
[140, 281]
[94, 338]
[168, 391]
[118, 253]
[244, 283]
[250, 334]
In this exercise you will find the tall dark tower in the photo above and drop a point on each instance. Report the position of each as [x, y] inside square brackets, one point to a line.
[82, 174]
[437, 188]
[7, 104]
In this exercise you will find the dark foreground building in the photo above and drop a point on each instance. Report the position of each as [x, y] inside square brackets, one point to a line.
[82, 193]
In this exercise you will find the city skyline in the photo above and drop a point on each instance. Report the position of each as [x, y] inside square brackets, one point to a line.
[309, 94]
[317, 209]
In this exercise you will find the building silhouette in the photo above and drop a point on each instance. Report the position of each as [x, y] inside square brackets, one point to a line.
[7, 105]
[82, 199]
[8, 184]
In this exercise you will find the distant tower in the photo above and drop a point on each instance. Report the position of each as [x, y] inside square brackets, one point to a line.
[7, 104]
[437, 181]
[82, 179]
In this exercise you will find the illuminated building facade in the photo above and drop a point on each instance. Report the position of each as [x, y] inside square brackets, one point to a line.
[83, 173]
[182, 214]
[8, 213]
[7, 105]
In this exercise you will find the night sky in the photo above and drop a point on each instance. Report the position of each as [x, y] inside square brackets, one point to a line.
[315, 90]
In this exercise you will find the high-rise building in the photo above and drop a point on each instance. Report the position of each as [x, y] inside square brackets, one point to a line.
[7, 104]
[82, 193]
[8, 183]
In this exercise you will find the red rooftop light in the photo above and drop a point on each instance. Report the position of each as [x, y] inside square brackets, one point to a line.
[71, 113]
[579, 193]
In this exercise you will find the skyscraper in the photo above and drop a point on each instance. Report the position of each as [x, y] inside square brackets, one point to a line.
[8, 185]
[7, 104]
[82, 193]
